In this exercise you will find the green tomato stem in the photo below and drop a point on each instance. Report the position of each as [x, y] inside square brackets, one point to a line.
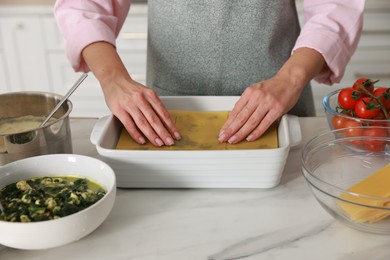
[378, 100]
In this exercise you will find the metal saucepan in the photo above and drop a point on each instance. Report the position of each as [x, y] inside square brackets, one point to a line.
[53, 137]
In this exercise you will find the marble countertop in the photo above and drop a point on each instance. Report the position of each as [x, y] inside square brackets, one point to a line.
[284, 222]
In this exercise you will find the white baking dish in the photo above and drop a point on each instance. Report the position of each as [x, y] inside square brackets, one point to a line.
[260, 168]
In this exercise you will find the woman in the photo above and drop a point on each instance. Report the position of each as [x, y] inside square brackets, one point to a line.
[252, 48]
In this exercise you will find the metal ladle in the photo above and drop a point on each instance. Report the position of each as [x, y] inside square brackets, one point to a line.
[65, 98]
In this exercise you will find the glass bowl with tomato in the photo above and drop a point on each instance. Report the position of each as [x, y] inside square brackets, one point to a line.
[362, 104]
[352, 185]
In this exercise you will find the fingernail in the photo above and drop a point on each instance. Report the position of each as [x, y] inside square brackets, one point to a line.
[141, 140]
[169, 140]
[177, 135]
[232, 139]
[222, 137]
[159, 142]
[249, 138]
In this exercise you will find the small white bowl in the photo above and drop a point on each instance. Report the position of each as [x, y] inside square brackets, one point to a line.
[58, 232]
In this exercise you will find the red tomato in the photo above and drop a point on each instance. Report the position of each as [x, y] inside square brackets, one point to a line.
[338, 122]
[375, 145]
[381, 116]
[367, 108]
[347, 98]
[384, 95]
[365, 83]
[351, 128]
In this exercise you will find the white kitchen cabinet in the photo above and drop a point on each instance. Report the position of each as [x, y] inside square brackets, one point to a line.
[4, 86]
[3, 72]
[23, 54]
[131, 42]
[32, 55]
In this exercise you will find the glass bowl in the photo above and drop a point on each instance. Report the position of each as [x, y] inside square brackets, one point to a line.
[337, 120]
[334, 167]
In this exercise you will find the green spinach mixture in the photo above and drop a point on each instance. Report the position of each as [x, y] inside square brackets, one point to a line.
[46, 198]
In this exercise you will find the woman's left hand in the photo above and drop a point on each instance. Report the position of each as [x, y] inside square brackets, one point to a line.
[259, 106]
[264, 102]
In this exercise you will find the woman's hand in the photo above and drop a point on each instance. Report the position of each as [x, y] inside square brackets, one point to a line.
[265, 102]
[138, 108]
[141, 112]
[258, 107]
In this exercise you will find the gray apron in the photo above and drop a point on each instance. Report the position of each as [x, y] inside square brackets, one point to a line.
[220, 47]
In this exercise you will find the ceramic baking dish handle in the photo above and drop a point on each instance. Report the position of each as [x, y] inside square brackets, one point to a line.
[98, 129]
[295, 133]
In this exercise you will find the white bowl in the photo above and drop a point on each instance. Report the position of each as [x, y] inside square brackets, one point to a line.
[58, 232]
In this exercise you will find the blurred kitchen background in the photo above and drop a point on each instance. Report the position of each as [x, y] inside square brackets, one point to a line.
[32, 56]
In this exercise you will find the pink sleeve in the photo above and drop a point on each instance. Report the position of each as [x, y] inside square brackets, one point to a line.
[84, 22]
[333, 28]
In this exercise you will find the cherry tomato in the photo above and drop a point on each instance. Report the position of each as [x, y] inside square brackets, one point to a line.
[375, 145]
[367, 108]
[365, 83]
[384, 95]
[338, 122]
[381, 116]
[351, 129]
[347, 98]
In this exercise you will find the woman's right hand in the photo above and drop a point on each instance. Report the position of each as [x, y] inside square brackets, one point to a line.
[138, 107]
[141, 112]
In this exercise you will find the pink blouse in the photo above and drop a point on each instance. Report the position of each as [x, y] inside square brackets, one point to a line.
[332, 27]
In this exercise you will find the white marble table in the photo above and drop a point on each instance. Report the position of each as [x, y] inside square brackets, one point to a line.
[285, 222]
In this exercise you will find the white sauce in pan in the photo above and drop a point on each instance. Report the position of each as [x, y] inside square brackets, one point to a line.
[21, 124]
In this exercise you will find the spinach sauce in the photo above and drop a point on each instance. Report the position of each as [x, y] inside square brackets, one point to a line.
[47, 198]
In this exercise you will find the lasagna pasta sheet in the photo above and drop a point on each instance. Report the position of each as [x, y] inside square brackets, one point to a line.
[376, 185]
[200, 131]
